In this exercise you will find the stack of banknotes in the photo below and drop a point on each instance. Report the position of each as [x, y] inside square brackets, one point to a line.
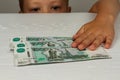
[45, 50]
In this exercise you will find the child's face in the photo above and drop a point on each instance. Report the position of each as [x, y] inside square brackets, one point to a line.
[45, 6]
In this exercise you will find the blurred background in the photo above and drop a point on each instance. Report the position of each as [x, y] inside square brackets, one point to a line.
[11, 6]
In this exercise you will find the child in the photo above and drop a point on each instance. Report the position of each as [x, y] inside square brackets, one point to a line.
[92, 34]
[44, 6]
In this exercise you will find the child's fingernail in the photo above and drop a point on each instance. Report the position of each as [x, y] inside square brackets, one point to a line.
[81, 47]
[92, 47]
[74, 45]
[107, 46]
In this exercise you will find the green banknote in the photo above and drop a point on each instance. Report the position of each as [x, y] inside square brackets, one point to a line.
[52, 44]
[42, 50]
[44, 39]
[58, 55]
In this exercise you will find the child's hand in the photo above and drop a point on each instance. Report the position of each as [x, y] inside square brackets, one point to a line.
[93, 34]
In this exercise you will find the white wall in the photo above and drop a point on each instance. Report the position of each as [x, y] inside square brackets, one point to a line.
[8, 6]
[77, 5]
[81, 5]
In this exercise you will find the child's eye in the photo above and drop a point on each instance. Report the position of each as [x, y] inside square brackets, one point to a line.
[35, 9]
[56, 8]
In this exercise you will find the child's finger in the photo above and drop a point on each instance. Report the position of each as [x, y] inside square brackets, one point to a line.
[108, 42]
[85, 43]
[79, 33]
[97, 42]
[79, 39]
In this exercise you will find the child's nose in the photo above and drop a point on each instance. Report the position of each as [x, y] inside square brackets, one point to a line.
[45, 10]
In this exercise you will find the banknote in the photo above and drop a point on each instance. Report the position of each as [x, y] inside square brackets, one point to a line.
[24, 56]
[58, 54]
[39, 39]
[66, 43]
[42, 50]
[42, 41]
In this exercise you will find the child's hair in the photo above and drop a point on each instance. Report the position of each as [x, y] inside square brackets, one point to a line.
[21, 3]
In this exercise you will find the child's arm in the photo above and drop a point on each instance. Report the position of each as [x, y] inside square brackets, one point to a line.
[101, 29]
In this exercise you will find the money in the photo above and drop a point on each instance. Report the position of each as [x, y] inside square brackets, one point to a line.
[42, 50]
[51, 44]
[42, 41]
[58, 54]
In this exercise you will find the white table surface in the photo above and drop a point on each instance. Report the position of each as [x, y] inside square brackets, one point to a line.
[12, 25]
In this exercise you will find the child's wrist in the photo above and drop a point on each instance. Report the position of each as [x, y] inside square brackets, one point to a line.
[105, 18]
